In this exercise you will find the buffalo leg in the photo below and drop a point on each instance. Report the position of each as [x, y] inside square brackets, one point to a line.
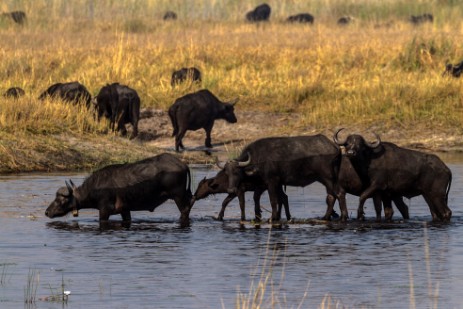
[363, 197]
[283, 199]
[330, 200]
[402, 207]
[126, 216]
[388, 210]
[257, 209]
[438, 207]
[273, 196]
[208, 141]
[225, 203]
[178, 139]
[242, 204]
[183, 204]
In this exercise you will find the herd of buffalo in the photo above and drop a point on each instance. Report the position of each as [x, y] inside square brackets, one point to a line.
[350, 164]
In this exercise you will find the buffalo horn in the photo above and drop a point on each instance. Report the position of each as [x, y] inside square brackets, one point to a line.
[233, 102]
[336, 140]
[70, 187]
[375, 143]
[245, 163]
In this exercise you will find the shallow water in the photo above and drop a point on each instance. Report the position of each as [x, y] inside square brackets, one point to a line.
[156, 264]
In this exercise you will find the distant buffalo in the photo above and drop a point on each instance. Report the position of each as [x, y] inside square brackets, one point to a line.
[301, 18]
[345, 20]
[260, 13]
[196, 111]
[120, 104]
[421, 19]
[14, 92]
[73, 92]
[454, 70]
[170, 15]
[18, 17]
[184, 74]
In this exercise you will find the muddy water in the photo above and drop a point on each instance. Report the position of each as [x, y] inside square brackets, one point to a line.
[156, 264]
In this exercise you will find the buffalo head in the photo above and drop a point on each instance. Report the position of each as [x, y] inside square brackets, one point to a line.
[355, 145]
[65, 202]
[228, 111]
[235, 171]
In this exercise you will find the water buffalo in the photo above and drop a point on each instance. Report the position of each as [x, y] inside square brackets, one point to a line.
[454, 70]
[170, 15]
[350, 182]
[179, 76]
[18, 17]
[120, 104]
[390, 169]
[73, 92]
[14, 92]
[219, 184]
[260, 13]
[292, 161]
[122, 188]
[198, 110]
[301, 18]
[345, 20]
[421, 19]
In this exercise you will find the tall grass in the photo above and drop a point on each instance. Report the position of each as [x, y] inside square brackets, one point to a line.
[379, 72]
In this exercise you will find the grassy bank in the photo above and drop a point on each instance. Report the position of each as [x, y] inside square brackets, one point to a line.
[380, 72]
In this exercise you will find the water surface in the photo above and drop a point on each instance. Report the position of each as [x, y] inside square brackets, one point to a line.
[157, 264]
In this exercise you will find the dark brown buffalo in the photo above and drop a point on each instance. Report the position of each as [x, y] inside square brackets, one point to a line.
[192, 74]
[293, 161]
[121, 105]
[260, 13]
[198, 110]
[170, 15]
[14, 92]
[18, 17]
[350, 182]
[301, 18]
[219, 184]
[454, 70]
[345, 20]
[122, 188]
[421, 19]
[390, 169]
[73, 92]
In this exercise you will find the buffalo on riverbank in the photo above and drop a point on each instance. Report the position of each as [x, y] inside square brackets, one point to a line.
[73, 92]
[121, 105]
[198, 110]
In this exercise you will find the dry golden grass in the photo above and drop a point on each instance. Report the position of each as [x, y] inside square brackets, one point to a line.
[379, 72]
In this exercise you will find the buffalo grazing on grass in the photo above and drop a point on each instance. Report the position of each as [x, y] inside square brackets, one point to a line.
[301, 18]
[260, 13]
[73, 92]
[14, 92]
[121, 105]
[18, 17]
[184, 74]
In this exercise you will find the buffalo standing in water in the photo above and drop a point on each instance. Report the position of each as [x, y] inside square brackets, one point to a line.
[122, 188]
[198, 110]
[73, 92]
[121, 105]
[390, 169]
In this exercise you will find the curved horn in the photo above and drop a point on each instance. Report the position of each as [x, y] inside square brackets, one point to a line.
[70, 187]
[336, 140]
[245, 163]
[233, 102]
[375, 143]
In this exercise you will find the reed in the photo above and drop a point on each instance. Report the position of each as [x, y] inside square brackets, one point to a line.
[30, 291]
[380, 72]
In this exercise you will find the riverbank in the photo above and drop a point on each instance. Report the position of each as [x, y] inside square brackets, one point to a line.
[67, 152]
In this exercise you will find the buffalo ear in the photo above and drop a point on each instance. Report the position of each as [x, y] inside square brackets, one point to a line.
[250, 171]
[233, 102]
